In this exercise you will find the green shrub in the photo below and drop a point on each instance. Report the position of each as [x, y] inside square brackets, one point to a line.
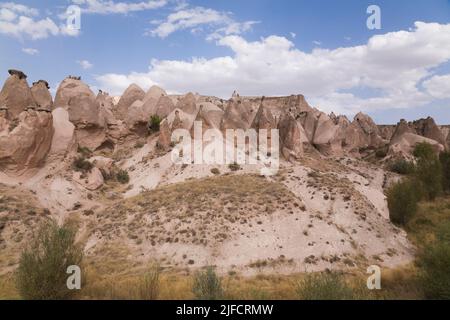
[381, 153]
[42, 268]
[85, 152]
[402, 200]
[154, 123]
[445, 164]
[324, 286]
[215, 171]
[138, 145]
[424, 150]
[81, 164]
[207, 285]
[234, 166]
[148, 288]
[402, 167]
[428, 170]
[434, 262]
[122, 176]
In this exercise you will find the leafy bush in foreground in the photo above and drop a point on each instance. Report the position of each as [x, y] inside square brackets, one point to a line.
[42, 269]
[207, 285]
[324, 286]
[148, 288]
[435, 265]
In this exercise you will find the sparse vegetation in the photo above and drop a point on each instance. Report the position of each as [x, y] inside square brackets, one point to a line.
[381, 152]
[82, 165]
[402, 166]
[149, 285]
[207, 285]
[215, 171]
[138, 145]
[154, 124]
[84, 151]
[234, 166]
[324, 286]
[122, 176]
[42, 269]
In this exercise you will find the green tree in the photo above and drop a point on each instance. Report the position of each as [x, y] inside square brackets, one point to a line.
[43, 265]
[428, 170]
[402, 200]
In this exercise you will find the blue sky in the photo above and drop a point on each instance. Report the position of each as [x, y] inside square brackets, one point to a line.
[322, 49]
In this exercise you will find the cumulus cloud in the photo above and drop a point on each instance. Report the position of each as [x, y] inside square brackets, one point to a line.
[438, 86]
[112, 7]
[30, 51]
[85, 64]
[20, 21]
[393, 65]
[117, 83]
[218, 23]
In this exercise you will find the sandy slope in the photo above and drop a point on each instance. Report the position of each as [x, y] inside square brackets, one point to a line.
[340, 219]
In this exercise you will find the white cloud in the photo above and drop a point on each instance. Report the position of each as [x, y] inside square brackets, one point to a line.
[219, 23]
[30, 51]
[112, 7]
[19, 8]
[7, 15]
[20, 21]
[117, 83]
[390, 65]
[317, 43]
[85, 64]
[438, 86]
[293, 35]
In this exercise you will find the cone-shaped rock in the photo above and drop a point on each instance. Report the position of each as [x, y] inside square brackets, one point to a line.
[131, 94]
[41, 95]
[428, 128]
[16, 95]
[164, 107]
[76, 97]
[188, 104]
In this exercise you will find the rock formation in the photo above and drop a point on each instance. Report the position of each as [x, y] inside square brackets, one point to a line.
[25, 141]
[131, 94]
[16, 95]
[41, 95]
[405, 138]
[164, 107]
[238, 114]
[428, 129]
[84, 112]
[291, 137]
[187, 104]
